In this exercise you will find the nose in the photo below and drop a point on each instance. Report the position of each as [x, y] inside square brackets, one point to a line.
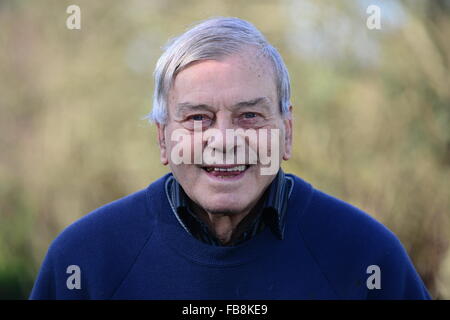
[221, 146]
[216, 135]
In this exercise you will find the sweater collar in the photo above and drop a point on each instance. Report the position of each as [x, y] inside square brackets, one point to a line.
[274, 206]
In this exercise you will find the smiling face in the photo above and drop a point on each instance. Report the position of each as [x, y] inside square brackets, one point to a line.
[236, 92]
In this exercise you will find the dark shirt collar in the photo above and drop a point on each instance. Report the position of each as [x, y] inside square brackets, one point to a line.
[273, 208]
[276, 199]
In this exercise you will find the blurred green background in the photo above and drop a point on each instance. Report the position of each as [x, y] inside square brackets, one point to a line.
[371, 112]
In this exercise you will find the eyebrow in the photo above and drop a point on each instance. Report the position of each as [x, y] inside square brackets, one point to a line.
[187, 106]
[252, 102]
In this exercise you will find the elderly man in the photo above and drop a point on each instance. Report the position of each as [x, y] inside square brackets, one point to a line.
[227, 222]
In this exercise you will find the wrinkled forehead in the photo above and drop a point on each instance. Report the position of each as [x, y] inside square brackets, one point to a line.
[242, 76]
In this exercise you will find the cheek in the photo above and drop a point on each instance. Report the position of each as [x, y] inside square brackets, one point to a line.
[281, 138]
[282, 141]
[180, 147]
[271, 143]
[188, 176]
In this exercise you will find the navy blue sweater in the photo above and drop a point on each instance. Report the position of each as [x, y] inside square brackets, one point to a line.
[134, 248]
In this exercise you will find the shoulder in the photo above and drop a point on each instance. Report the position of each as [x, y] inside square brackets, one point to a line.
[326, 220]
[346, 242]
[118, 220]
[343, 227]
[123, 220]
[104, 243]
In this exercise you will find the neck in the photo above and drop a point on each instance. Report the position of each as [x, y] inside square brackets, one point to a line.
[221, 225]
[228, 225]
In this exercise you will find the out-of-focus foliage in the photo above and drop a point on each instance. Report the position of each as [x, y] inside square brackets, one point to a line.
[371, 112]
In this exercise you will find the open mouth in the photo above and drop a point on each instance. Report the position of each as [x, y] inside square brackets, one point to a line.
[226, 171]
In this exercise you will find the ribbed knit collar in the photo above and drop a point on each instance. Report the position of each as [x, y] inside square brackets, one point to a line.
[272, 211]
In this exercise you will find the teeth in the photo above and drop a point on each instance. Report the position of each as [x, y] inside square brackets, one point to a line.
[237, 168]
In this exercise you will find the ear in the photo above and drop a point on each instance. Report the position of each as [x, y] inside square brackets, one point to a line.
[288, 135]
[162, 143]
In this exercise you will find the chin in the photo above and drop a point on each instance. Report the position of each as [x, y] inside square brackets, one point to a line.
[223, 206]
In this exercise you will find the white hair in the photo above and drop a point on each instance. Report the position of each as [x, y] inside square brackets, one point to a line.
[213, 39]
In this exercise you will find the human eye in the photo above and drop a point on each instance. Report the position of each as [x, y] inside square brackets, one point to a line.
[202, 120]
[250, 119]
[197, 117]
[249, 115]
